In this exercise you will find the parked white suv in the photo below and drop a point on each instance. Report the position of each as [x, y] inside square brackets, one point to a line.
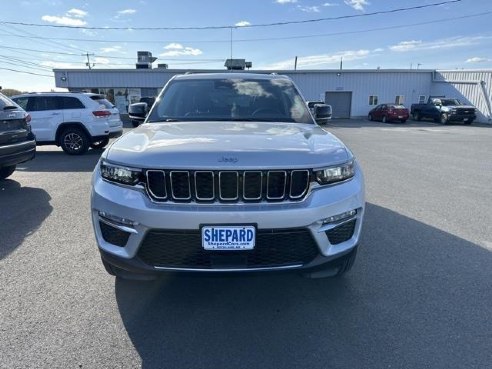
[229, 173]
[74, 121]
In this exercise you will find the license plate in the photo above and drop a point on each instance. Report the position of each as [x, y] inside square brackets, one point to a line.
[400, 117]
[228, 237]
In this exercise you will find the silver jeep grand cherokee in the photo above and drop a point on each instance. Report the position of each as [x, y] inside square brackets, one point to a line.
[229, 173]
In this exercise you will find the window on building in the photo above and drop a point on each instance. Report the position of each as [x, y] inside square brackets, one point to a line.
[422, 99]
[373, 100]
[399, 100]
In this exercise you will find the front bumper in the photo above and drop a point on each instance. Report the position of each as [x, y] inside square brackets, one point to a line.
[17, 153]
[461, 117]
[140, 217]
[398, 117]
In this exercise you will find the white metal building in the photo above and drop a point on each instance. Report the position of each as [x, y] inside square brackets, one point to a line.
[352, 93]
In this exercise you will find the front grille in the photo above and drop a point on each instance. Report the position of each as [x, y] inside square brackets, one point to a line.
[113, 235]
[227, 186]
[341, 233]
[465, 111]
[183, 249]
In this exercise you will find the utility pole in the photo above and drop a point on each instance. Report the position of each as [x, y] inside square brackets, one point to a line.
[231, 43]
[341, 63]
[295, 63]
[89, 64]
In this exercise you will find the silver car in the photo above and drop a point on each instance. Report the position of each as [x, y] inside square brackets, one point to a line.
[229, 173]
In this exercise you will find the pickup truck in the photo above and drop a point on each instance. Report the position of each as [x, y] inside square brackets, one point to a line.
[444, 110]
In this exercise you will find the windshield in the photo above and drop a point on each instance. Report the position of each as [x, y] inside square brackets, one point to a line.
[275, 100]
[6, 102]
[101, 100]
[450, 102]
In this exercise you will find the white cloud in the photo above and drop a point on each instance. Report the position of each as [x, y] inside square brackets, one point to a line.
[242, 24]
[319, 60]
[285, 1]
[357, 4]
[446, 43]
[61, 65]
[100, 60]
[309, 9]
[127, 12]
[76, 13]
[175, 49]
[477, 59]
[63, 21]
[378, 50]
[330, 4]
[89, 32]
[110, 49]
[173, 45]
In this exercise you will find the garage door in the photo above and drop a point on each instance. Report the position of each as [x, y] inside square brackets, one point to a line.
[341, 103]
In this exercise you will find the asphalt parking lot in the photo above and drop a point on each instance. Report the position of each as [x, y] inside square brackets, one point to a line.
[419, 295]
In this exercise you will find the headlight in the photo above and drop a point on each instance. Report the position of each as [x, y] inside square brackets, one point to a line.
[335, 174]
[120, 174]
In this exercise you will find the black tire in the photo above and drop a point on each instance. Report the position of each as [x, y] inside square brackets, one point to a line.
[135, 123]
[6, 171]
[370, 117]
[403, 121]
[384, 119]
[100, 144]
[416, 116]
[444, 119]
[346, 262]
[467, 123]
[74, 141]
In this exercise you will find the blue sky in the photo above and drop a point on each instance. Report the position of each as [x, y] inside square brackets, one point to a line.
[450, 36]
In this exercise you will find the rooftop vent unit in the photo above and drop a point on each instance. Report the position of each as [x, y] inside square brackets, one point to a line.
[162, 66]
[145, 60]
[237, 64]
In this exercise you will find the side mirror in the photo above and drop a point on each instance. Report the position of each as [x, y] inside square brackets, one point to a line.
[140, 109]
[322, 113]
[137, 113]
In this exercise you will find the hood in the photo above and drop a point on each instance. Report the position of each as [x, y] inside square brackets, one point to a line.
[449, 107]
[235, 145]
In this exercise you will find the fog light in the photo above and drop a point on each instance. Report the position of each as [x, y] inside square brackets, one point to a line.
[339, 217]
[117, 220]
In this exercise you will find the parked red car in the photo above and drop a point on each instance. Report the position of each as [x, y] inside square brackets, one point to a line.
[389, 113]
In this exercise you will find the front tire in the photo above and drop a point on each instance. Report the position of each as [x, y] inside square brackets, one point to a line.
[384, 119]
[416, 116]
[6, 171]
[74, 141]
[100, 144]
[370, 117]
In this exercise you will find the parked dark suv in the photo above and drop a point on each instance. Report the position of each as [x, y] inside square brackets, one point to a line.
[17, 142]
